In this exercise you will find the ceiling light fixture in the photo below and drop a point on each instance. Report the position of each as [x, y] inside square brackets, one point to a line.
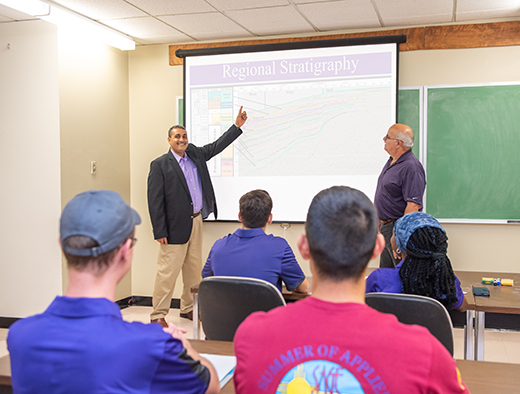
[72, 21]
[30, 7]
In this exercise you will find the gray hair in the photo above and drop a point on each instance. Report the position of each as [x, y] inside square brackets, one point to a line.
[406, 139]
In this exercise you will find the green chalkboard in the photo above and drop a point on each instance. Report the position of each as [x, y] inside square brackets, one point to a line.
[409, 113]
[473, 152]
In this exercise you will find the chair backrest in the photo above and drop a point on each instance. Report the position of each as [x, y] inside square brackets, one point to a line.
[225, 301]
[415, 309]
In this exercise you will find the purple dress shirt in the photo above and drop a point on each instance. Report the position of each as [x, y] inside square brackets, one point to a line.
[191, 174]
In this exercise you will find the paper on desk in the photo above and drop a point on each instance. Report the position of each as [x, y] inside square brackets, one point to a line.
[224, 365]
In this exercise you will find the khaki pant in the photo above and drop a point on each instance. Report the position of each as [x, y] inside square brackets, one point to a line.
[171, 260]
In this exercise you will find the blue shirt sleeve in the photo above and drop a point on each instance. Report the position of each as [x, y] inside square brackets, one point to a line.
[371, 283]
[460, 294]
[385, 280]
[178, 372]
[292, 273]
[208, 269]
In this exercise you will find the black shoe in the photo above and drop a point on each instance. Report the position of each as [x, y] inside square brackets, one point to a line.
[188, 315]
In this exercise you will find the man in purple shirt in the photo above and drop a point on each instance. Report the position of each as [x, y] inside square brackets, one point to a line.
[400, 187]
[180, 195]
[250, 252]
[81, 344]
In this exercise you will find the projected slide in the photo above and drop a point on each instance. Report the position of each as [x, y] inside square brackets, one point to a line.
[313, 121]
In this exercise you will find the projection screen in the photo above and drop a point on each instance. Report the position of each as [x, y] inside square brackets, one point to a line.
[316, 118]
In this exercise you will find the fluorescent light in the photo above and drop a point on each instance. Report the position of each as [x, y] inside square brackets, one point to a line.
[75, 23]
[30, 7]
[86, 27]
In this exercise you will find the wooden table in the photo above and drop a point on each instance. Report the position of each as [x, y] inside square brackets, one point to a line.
[502, 299]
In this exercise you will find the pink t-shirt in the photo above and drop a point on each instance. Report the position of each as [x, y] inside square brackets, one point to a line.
[339, 348]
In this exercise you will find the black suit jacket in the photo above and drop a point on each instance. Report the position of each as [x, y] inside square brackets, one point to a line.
[169, 199]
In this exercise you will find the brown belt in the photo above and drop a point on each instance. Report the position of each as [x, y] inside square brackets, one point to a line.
[196, 214]
[388, 221]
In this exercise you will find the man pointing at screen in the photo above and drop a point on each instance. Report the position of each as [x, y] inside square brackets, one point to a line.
[180, 195]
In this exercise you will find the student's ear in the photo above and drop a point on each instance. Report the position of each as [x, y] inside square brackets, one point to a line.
[239, 217]
[380, 245]
[125, 249]
[303, 246]
[270, 220]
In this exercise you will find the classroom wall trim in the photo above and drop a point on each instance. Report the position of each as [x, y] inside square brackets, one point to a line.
[478, 35]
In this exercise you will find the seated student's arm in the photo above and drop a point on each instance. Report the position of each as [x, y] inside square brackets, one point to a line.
[372, 282]
[460, 306]
[464, 306]
[208, 269]
[304, 287]
[292, 273]
[214, 383]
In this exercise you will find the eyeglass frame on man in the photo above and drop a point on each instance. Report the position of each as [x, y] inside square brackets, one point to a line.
[386, 137]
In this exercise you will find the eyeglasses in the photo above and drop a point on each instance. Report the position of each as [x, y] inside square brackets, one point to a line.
[390, 138]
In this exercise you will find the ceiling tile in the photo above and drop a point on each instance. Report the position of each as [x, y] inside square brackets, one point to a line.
[102, 9]
[227, 5]
[487, 9]
[209, 26]
[172, 7]
[271, 21]
[337, 15]
[414, 12]
[145, 27]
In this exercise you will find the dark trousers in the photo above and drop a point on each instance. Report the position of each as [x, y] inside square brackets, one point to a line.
[387, 257]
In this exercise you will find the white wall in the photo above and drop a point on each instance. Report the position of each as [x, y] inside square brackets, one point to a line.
[30, 260]
[93, 85]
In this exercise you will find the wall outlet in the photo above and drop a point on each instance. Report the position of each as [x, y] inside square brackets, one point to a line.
[93, 167]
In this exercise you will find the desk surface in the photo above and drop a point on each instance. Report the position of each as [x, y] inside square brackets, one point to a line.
[502, 299]
[479, 376]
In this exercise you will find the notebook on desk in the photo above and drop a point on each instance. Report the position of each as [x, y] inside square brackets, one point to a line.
[224, 365]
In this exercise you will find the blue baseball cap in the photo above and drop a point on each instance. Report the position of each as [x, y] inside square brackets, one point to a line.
[101, 215]
[405, 226]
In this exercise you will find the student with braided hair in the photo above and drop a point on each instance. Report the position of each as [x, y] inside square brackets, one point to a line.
[420, 243]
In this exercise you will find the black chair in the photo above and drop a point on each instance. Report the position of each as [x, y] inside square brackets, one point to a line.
[225, 301]
[415, 309]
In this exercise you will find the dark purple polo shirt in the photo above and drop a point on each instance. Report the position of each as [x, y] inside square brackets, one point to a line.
[398, 184]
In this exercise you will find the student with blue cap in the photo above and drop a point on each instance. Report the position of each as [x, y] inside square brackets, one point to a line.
[81, 344]
[420, 244]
